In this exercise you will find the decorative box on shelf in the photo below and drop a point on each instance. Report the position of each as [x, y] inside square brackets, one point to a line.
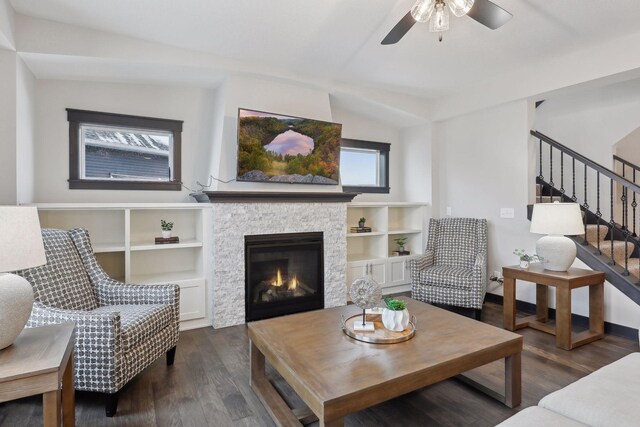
[361, 229]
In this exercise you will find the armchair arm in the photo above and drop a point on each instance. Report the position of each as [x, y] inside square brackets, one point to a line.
[97, 348]
[420, 263]
[112, 292]
[480, 272]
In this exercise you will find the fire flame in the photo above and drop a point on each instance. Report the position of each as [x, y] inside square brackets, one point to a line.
[278, 281]
[293, 283]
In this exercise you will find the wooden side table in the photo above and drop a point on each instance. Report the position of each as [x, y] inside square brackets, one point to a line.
[564, 282]
[41, 361]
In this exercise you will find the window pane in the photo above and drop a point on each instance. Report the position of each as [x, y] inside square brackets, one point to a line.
[359, 167]
[126, 154]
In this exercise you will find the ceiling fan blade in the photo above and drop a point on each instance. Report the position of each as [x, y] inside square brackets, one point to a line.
[489, 14]
[400, 29]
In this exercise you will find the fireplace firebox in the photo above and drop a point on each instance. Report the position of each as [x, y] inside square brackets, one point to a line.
[284, 274]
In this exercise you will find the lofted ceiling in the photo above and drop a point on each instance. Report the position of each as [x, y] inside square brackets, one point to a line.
[339, 40]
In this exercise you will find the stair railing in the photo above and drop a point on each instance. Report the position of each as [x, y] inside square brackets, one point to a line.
[628, 187]
[634, 170]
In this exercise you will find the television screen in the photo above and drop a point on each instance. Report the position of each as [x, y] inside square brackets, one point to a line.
[277, 148]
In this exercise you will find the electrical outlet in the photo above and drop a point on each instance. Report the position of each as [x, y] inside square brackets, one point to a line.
[449, 210]
[507, 213]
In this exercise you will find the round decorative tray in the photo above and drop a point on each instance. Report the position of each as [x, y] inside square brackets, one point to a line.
[380, 335]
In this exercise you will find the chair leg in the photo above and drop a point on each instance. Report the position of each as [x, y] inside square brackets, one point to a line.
[111, 404]
[477, 314]
[171, 355]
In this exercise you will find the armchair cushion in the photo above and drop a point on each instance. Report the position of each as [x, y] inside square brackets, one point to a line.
[453, 241]
[63, 281]
[447, 277]
[139, 322]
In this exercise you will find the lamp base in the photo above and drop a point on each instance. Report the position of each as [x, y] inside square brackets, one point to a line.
[557, 252]
[16, 301]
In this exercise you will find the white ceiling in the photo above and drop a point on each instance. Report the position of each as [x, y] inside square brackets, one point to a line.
[339, 40]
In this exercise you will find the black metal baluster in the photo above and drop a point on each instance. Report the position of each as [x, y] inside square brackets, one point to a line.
[540, 176]
[585, 206]
[611, 225]
[598, 214]
[634, 205]
[626, 234]
[562, 176]
[622, 199]
[551, 185]
[573, 178]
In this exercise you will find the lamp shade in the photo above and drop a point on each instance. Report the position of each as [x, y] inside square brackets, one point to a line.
[21, 244]
[557, 219]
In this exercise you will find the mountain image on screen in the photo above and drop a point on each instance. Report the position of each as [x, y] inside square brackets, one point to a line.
[277, 148]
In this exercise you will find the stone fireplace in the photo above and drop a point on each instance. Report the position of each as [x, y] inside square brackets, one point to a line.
[241, 215]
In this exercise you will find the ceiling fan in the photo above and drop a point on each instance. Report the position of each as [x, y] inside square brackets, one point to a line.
[437, 13]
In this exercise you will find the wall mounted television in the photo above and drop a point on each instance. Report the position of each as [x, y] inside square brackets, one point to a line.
[287, 149]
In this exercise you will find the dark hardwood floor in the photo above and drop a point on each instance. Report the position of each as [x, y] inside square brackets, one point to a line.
[209, 386]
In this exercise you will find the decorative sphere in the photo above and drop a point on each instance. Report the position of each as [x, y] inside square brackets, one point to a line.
[365, 292]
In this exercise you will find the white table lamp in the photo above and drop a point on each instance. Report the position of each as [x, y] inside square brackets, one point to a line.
[556, 220]
[21, 247]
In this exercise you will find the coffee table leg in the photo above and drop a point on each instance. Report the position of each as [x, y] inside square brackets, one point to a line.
[513, 380]
[509, 303]
[51, 408]
[68, 396]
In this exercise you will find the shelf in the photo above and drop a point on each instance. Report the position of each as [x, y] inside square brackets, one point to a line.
[392, 257]
[354, 205]
[373, 233]
[363, 257]
[175, 277]
[406, 231]
[153, 247]
[100, 248]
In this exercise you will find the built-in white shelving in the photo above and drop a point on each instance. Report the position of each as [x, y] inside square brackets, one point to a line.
[372, 253]
[123, 239]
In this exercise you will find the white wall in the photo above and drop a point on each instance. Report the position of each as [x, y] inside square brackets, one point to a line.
[484, 161]
[417, 163]
[8, 165]
[52, 132]
[25, 132]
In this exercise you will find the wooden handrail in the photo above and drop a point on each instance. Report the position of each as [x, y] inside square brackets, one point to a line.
[593, 165]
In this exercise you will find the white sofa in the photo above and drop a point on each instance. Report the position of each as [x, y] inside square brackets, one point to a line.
[607, 397]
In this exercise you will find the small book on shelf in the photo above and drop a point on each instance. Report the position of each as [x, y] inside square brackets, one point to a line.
[167, 240]
[361, 229]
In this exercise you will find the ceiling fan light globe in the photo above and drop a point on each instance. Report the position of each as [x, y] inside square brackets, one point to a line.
[460, 7]
[440, 19]
[422, 10]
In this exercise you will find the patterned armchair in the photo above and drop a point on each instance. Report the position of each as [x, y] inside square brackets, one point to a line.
[120, 328]
[453, 269]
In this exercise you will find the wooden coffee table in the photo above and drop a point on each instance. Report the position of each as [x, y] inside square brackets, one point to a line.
[336, 375]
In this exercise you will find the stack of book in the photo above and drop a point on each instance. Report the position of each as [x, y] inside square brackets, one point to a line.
[166, 240]
[361, 229]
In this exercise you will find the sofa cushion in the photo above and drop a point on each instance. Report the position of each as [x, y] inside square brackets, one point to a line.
[63, 281]
[605, 398]
[535, 416]
[447, 277]
[139, 322]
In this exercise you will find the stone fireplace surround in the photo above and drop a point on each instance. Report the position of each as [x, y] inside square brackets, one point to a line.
[236, 214]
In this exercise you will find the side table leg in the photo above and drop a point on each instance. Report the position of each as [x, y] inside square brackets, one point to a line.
[68, 396]
[513, 380]
[596, 308]
[51, 413]
[509, 302]
[563, 318]
[333, 423]
[542, 303]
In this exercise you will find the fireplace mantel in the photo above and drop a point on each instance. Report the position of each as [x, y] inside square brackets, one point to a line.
[279, 197]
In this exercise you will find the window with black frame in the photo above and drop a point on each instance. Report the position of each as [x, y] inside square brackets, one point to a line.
[123, 152]
[364, 166]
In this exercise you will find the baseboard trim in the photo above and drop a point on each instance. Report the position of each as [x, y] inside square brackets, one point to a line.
[582, 321]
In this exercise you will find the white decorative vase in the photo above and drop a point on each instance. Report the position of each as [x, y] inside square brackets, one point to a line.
[556, 252]
[395, 320]
[166, 234]
[16, 301]
[524, 264]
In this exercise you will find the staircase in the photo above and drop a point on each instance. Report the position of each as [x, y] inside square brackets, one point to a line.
[609, 204]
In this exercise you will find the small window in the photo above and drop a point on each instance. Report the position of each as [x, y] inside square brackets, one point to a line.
[364, 166]
[121, 152]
